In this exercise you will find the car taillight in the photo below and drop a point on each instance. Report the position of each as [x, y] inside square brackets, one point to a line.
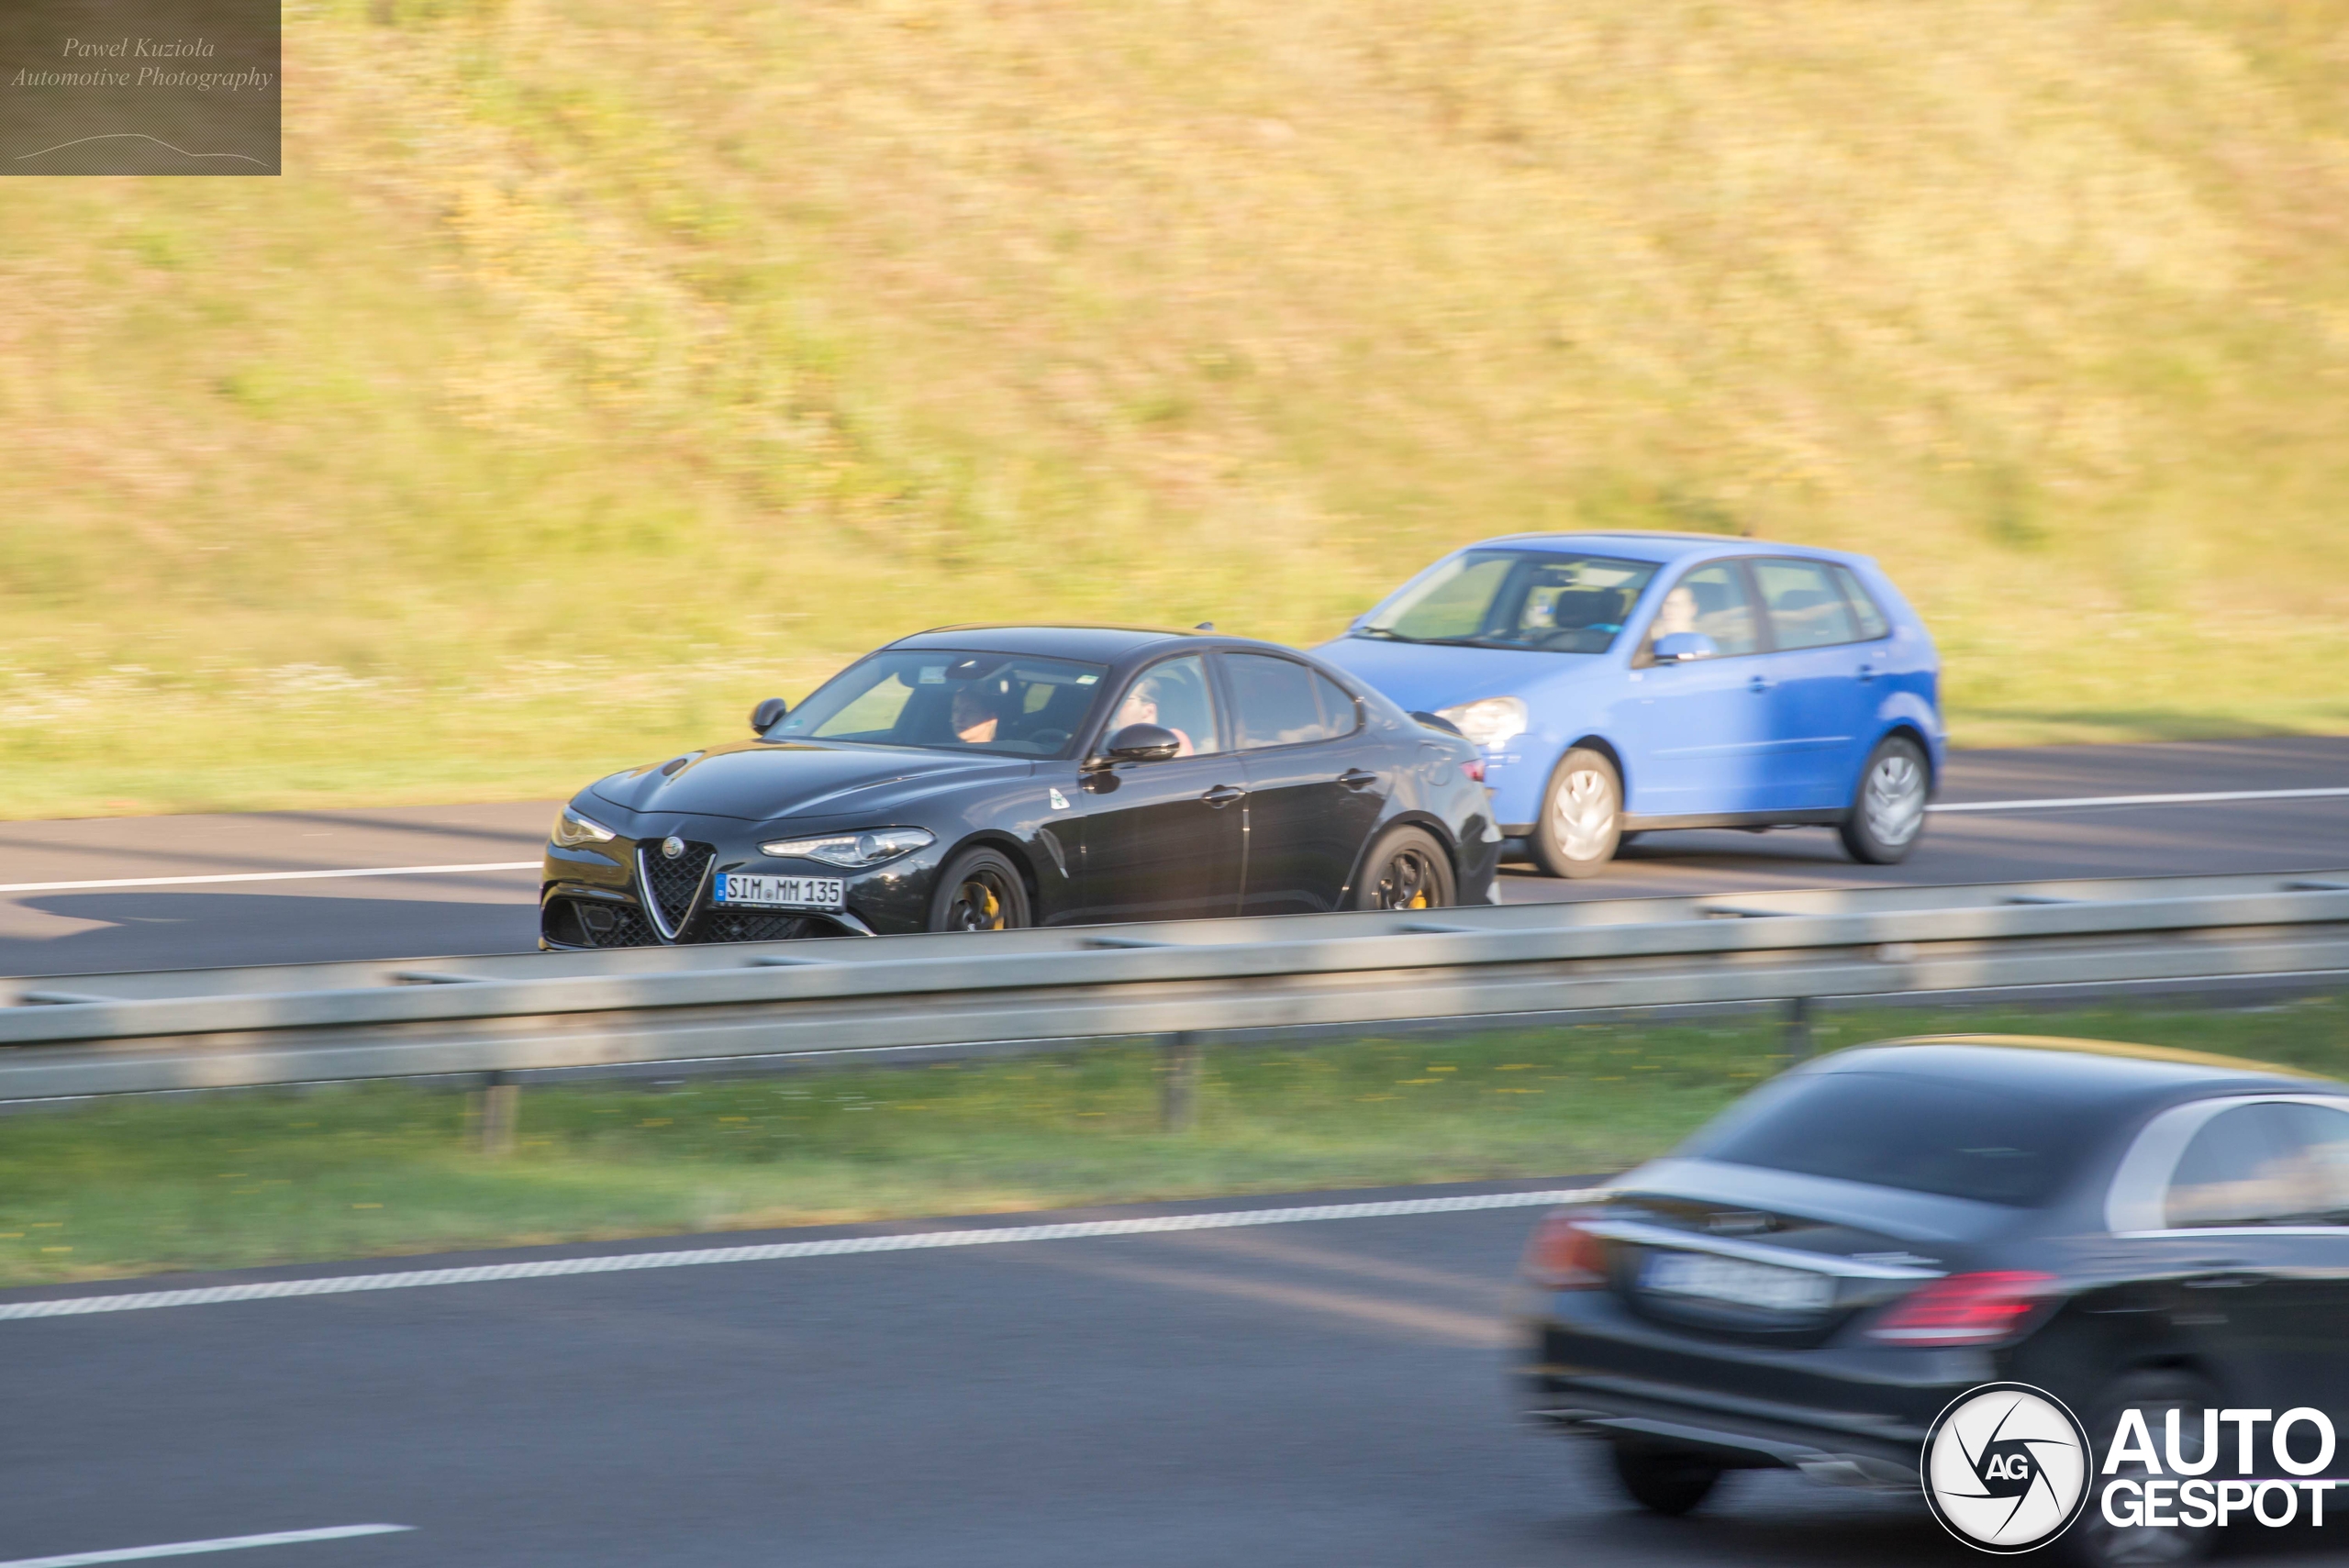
[1964, 1309]
[1562, 1255]
[1475, 770]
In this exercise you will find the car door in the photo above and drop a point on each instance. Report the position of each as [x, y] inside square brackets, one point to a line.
[1318, 781]
[1166, 839]
[1696, 731]
[1821, 704]
[2314, 1288]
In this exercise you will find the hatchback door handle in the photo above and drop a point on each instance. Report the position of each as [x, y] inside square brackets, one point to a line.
[1759, 684]
[1867, 671]
[1355, 778]
[1223, 795]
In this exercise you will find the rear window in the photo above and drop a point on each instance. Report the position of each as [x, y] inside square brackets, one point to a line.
[1922, 1135]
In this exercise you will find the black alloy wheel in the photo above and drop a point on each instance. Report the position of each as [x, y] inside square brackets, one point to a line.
[1662, 1481]
[2095, 1542]
[980, 891]
[1406, 870]
[1887, 813]
[1582, 816]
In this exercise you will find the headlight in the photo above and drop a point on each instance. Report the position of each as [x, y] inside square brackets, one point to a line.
[1494, 721]
[854, 851]
[571, 831]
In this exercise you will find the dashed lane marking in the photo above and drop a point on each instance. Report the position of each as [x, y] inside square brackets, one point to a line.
[263, 876]
[191, 1548]
[2075, 802]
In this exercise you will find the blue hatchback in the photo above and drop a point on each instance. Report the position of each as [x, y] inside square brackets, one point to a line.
[1620, 683]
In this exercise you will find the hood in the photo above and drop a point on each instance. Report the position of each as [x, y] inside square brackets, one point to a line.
[754, 781]
[1429, 677]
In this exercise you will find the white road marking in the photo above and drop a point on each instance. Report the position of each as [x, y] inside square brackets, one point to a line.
[263, 876]
[772, 1252]
[2126, 800]
[190, 1548]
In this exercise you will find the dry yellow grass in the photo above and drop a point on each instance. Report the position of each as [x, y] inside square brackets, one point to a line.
[600, 366]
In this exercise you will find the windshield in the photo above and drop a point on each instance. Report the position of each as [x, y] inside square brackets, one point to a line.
[952, 700]
[1920, 1134]
[1518, 598]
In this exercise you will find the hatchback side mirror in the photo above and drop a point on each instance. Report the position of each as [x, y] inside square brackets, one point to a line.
[1142, 743]
[1681, 647]
[764, 716]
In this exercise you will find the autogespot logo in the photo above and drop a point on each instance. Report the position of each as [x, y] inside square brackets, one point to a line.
[2007, 1467]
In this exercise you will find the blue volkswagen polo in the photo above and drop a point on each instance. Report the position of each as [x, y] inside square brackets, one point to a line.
[1622, 683]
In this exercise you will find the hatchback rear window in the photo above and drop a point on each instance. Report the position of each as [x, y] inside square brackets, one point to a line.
[1922, 1135]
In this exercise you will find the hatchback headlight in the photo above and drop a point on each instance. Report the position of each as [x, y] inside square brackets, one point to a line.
[854, 851]
[571, 831]
[1494, 721]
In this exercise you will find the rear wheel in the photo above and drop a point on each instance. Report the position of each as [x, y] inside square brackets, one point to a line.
[1664, 1481]
[1582, 816]
[981, 890]
[1406, 870]
[1888, 810]
[2094, 1541]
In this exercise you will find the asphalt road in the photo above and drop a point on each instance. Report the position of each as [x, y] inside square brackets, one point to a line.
[1322, 1393]
[52, 930]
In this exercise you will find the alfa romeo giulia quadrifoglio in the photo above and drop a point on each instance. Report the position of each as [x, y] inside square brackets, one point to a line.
[989, 777]
[1815, 1276]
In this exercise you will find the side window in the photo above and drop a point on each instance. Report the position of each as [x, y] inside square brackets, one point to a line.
[1278, 701]
[1807, 607]
[2243, 1168]
[1872, 622]
[1173, 692]
[2322, 1135]
[1711, 600]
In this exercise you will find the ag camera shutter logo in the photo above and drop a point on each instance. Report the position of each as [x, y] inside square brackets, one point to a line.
[2007, 1467]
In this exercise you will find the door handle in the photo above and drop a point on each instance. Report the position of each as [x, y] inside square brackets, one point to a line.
[1759, 684]
[1868, 673]
[1223, 795]
[1355, 778]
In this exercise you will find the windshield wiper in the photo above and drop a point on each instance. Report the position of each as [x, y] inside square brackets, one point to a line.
[1382, 631]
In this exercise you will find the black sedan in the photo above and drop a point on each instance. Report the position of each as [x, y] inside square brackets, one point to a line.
[1818, 1274]
[989, 777]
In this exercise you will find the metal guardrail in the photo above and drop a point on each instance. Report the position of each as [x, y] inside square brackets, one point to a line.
[966, 993]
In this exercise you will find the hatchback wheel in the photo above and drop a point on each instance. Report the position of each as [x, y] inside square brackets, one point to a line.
[981, 891]
[1581, 817]
[2093, 1542]
[1889, 811]
[1664, 1482]
[1406, 870]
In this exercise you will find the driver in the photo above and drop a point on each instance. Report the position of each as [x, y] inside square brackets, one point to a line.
[1677, 614]
[1140, 706]
[974, 716]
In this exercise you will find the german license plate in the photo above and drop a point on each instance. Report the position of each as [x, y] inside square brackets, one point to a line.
[750, 889]
[1734, 1280]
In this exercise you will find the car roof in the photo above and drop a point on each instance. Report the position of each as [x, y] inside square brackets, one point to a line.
[1641, 544]
[1101, 644]
[2084, 1069]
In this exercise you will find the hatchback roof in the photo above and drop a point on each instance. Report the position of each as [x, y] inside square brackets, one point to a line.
[1640, 544]
[1101, 643]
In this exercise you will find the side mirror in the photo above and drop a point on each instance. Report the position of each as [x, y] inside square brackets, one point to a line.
[1142, 743]
[764, 716]
[1682, 647]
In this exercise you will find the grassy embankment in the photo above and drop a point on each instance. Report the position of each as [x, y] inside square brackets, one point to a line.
[600, 366]
[131, 1188]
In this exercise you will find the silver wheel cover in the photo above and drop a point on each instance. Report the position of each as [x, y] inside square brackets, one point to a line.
[1892, 798]
[1582, 814]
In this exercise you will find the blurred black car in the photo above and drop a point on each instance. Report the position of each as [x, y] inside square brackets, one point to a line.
[988, 777]
[1814, 1276]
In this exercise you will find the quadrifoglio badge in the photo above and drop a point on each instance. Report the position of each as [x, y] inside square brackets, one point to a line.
[2007, 1468]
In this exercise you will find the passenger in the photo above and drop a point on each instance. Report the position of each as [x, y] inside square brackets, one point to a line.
[1140, 706]
[1677, 614]
[976, 717]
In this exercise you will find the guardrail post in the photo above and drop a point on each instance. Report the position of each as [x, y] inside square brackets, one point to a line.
[1178, 1082]
[1797, 1030]
[501, 1114]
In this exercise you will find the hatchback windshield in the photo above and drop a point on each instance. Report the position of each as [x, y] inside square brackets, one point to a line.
[952, 700]
[1518, 598]
[1925, 1135]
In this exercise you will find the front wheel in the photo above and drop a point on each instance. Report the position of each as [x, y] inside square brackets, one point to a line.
[980, 890]
[1664, 1482]
[1888, 810]
[1406, 870]
[1581, 817]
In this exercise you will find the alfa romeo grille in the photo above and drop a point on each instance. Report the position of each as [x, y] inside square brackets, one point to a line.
[673, 883]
